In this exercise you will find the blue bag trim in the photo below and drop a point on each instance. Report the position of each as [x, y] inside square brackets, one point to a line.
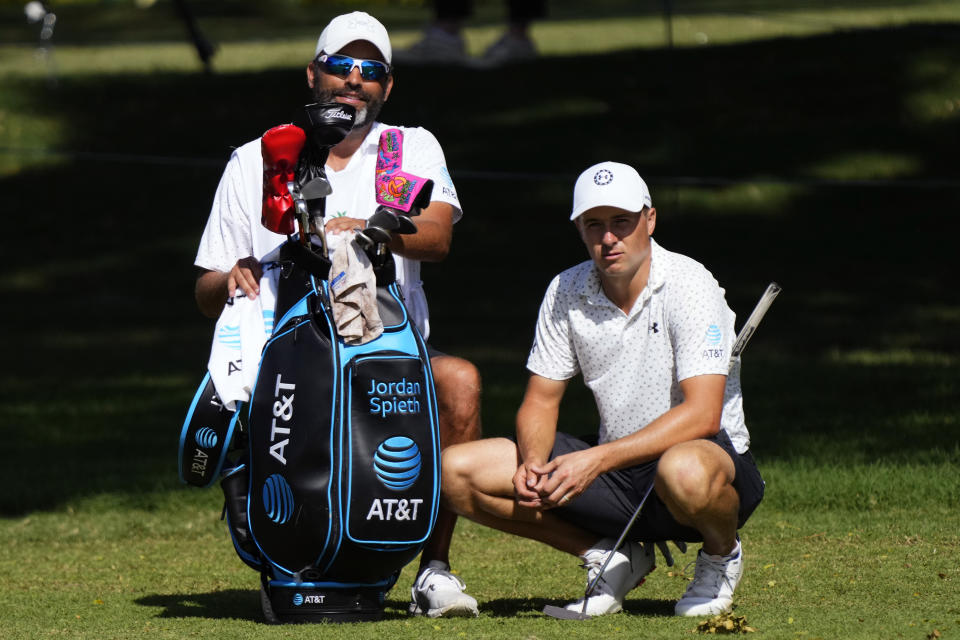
[387, 544]
[299, 309]
[219, 449]
[405, 341]
[388, 582]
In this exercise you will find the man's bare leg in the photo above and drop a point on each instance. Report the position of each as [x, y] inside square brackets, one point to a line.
[458, 399]
[436, 592]
[695, 481]
[478, 484]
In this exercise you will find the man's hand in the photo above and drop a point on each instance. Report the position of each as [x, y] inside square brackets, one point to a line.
[246, 275]
[526, 487]
[343, 223]
[569, 476]
[213, 288]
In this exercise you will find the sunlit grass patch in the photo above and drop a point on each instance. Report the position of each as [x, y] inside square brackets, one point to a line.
[894, 357]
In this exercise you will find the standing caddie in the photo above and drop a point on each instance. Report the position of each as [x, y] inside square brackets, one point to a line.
[352, 66]
[651, 333]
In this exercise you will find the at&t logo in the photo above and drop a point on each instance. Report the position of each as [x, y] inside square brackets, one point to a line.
[299, 599]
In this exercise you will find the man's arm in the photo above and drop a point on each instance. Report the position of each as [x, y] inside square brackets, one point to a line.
[536, 432]
[698, 416]
[431, 242]
[214, 287]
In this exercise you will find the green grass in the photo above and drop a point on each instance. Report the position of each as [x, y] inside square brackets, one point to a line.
[851, 387]
[116, 567]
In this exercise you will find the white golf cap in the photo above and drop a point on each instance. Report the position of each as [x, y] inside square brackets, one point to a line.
[610, 184]
[358, 25]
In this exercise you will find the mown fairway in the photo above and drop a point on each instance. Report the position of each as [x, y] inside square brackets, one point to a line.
[815, 146]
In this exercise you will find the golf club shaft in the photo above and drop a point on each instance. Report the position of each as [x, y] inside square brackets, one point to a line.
[616, 546]
[754, 320]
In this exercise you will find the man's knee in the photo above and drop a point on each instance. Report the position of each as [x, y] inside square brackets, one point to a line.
[458, 398]
[460, 464]
[456, 464]
[692, 475]
[456, 378]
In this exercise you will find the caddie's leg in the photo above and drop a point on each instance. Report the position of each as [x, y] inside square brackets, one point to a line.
[437, 592]
[458, 399]
[695, 481]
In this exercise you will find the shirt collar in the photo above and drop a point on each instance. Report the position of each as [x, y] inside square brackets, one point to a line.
[372, 141]
[592, 289]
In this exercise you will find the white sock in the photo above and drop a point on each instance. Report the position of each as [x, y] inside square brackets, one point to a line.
[727, 558]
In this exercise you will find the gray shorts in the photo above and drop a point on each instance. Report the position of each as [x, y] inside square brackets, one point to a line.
[608, 503]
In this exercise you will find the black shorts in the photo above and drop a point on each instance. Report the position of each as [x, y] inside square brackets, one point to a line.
[608, 503]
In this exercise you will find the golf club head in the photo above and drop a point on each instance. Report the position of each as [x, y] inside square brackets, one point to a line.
[406, 225]
[318, 187]
[564, 614]
[372, 236]
[385, 219]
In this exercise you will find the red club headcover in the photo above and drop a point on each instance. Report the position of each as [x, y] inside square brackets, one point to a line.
[396, 188]
[280, 147]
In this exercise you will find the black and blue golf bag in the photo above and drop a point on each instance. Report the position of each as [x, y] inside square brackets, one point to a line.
[332, 478]
[331, 471]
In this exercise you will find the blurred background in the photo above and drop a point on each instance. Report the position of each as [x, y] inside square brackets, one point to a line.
[810, 142]
[803, 141]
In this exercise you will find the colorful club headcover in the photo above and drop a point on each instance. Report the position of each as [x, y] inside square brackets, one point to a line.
[395, 188]
[280, 147]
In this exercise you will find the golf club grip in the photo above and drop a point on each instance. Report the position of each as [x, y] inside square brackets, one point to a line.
[754, 320]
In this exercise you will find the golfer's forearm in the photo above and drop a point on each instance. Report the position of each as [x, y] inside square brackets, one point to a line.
[535, 436]
[211, 293]
[682, 423]
[537, 418]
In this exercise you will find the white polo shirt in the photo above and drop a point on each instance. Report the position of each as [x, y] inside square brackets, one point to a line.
[234, 230]
[679, 327]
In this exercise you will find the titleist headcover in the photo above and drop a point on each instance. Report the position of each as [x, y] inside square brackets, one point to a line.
[280, 147]
[329, 123]
[396, 188]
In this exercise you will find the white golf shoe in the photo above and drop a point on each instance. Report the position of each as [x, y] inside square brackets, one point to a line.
[438, 593]
[714, 580]
[627, 569]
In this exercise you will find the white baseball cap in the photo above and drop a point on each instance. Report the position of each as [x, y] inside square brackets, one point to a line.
[610, 184]
[358, 25]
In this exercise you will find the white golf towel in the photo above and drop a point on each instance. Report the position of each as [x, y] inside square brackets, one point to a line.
[242, 329]
[353, 291]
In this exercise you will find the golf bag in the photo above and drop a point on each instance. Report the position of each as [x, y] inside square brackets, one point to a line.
[331, 472]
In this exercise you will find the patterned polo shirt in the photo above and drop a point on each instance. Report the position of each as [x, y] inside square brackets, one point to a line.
[679, 327]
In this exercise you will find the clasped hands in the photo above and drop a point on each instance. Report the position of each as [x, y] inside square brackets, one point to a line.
[557, 482]
[545, 485]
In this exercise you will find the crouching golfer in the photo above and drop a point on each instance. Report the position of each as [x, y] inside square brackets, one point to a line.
[651, 333]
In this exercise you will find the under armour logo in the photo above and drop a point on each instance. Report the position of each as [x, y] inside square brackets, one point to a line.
[654, 328]
[602, 177]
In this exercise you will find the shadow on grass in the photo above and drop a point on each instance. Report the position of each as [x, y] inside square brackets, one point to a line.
[104, 344]
[526, 607]
[236, 604]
